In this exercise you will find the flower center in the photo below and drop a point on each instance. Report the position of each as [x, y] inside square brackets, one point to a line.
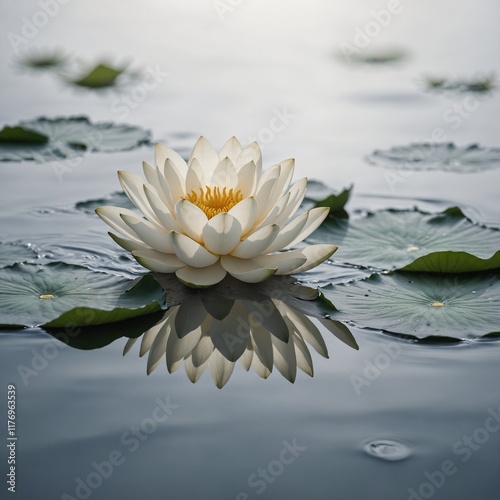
[214, 200]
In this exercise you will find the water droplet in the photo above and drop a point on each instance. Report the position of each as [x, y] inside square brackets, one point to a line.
[412, 248]
[387, 449]
[474, 291]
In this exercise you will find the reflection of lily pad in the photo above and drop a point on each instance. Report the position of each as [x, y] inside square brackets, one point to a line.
[117, 199]
[67, 137]
[60, 294]
[421, 305]
[323, 196]
[11, 253]
[443, 156]
[413, 241]
[100, 76]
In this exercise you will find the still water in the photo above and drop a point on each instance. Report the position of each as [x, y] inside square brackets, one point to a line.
[396, 419]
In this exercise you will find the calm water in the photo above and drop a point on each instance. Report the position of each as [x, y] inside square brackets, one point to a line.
[422, 425]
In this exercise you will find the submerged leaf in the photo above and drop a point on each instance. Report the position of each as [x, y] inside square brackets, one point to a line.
[442, 156]
[66, 137]
[411, 240]
[59, 294]
[421, 305]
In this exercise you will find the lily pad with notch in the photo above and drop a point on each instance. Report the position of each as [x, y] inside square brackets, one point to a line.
[59, 294]
[446, 242]
[446, 157]
[421, 305]
[45, 139]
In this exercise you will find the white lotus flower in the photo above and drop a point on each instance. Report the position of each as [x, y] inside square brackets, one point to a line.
[217, 214]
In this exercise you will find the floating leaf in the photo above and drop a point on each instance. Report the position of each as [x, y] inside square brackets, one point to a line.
[441, 156]
[59, 294]
[11, 253]
[480, 85]
[421, 305]
[414, 241]
[375, 55]
[41, 60]
[323, 196]
[100, 76]
[117, 199]
[20, 135]
[68, 137]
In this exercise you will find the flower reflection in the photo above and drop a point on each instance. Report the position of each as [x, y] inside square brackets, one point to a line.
[264, 326]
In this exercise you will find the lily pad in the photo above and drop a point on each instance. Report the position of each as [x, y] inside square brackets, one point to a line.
[446, 157]
[12, 253]
[98, 77]
[43, 59]
[67, 137]
[446, 242]
[478, 85]
[421, 305]
[61, 295]
[322, 196]
[116, 199]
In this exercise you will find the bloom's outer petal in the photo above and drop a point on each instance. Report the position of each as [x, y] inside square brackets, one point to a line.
[231, 149]
[201, 277]
[245, 211]
[263, 196]
[288, 233]
[163, 153]
[275, 215]
[314, 254]
[112, 217]
[129, 245]
[175, 180]
[222, 233]
[151, 174]
[220, 368]
[246, 270]
[286, 262]
[191, 252]
[297, 193]
[255, 243]
[286, 169]
[161, 211]
[165, 189]
[148, 233]
[315, 217]
[191, 219]
[204, 152]
[157, 261]
[247, 179]
[133, 185]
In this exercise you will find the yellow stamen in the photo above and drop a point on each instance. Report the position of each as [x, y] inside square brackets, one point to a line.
[214, 200]
[437, 304]
[47, 296]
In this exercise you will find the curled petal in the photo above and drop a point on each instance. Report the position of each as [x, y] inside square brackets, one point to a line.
[112, 217]
[314, 255]
[285, 262]
[129, 245]
[148, 233]
[160, 209]
[222, 233]
[255, 243]
[191, 252]
[133, 185]
[157, 261]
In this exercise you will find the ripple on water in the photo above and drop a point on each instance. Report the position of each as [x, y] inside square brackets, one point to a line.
[387, 449]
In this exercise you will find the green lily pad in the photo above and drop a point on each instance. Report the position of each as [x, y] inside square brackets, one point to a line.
[421, 305]
[12, 253]
[446, 157]
[20, 135]
[116, 199]
[322, 196]
[411, 240]
[98, 77]
[59, 294]
[67, 137]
